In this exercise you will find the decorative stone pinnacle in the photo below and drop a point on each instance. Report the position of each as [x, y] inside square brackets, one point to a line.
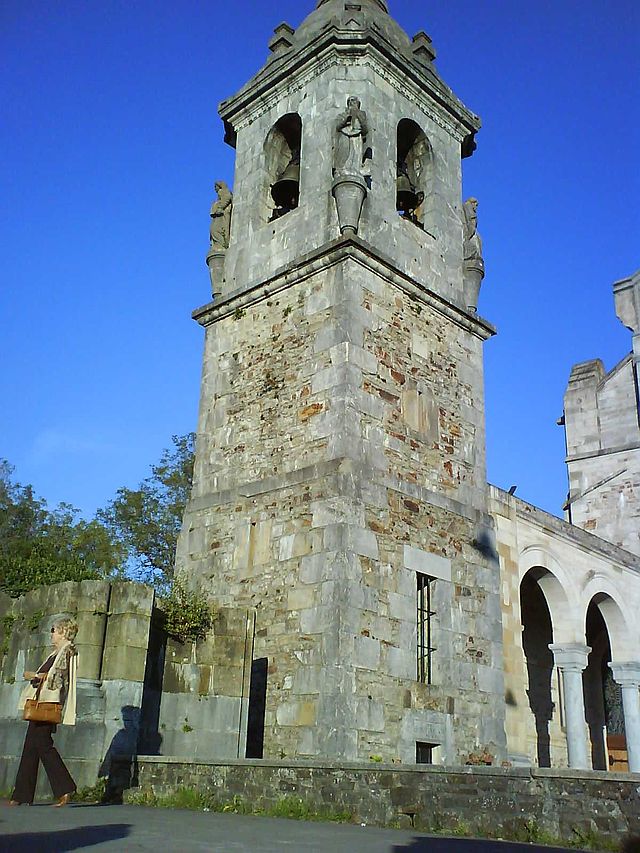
[282, 38]
[381, 4]
[423, 48]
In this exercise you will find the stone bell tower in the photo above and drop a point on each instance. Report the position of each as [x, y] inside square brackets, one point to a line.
[340, 485]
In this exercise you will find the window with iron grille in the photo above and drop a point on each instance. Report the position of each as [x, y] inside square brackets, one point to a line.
[424, 617]
[424, 752]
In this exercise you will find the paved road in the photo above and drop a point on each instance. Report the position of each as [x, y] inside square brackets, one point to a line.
[41, 829]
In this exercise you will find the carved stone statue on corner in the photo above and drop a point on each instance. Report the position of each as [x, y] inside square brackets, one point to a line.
[219, 234]
[473, 262]
[349, 185]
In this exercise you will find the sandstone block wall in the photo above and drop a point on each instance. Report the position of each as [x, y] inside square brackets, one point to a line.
[340, 450]
[205, 691]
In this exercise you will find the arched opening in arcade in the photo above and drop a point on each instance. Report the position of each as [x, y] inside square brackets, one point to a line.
[602, 696]
[537, 635]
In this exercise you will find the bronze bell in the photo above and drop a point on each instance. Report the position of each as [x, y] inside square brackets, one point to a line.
[406, 195]
[286, 190]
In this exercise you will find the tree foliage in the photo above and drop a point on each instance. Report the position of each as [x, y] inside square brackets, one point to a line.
[39, 546]
[147, 520]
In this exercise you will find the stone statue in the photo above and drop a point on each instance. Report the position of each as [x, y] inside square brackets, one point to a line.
[220, 213]
[473, 262]
[472, 241]
[219, 234]
[351, 135]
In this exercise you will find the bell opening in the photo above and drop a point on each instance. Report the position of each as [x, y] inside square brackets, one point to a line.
[282, 156]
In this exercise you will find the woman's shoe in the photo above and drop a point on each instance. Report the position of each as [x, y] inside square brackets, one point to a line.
[14, 803]
[64, 800]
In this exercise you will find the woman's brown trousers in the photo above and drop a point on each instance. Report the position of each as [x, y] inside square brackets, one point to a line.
[38, 746]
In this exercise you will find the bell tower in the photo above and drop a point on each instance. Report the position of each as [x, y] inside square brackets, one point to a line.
[340, 485]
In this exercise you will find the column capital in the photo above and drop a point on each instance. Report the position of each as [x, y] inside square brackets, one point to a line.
[570, 657]
[626, 673]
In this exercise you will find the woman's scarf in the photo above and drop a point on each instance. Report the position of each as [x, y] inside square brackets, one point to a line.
[69, 710]
[62, 676]
[60, 684]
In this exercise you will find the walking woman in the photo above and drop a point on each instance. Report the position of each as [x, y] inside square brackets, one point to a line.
[54, 681]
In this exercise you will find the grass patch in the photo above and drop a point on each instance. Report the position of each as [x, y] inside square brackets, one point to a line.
[296, 809]
[293, 808]
[91, 794]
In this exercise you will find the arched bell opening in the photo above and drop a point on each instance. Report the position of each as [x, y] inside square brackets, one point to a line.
[282, 159]
[414, 175]
[602, 696]
[537, 635]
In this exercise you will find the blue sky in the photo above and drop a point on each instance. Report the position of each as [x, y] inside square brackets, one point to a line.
[111, 143]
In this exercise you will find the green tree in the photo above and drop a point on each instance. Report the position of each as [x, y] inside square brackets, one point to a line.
[39, 546]
[147, 520]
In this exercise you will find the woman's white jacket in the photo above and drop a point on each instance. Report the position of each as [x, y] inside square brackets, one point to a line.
[59, 685]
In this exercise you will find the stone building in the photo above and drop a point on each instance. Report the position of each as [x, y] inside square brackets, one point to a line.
[602, 423]
[402, 608]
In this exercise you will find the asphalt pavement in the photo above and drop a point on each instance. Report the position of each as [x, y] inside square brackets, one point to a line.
[42, 829]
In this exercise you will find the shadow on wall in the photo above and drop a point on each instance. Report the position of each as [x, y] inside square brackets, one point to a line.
[120, 764]
[67, 839]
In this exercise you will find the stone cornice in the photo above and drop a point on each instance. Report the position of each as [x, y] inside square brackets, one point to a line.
[555, 526]
[332, 469]
[607, 451]
[335, 46]
[326, 256]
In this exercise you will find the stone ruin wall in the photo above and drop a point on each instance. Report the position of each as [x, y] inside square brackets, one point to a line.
[113, 635]
[138, 691]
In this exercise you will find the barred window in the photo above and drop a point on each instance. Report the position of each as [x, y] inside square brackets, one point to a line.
[424, 752]
[424, 617]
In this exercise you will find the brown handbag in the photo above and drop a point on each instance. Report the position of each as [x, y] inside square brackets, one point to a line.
[42, 712]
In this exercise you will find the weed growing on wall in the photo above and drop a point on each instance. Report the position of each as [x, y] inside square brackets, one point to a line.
[186, 614]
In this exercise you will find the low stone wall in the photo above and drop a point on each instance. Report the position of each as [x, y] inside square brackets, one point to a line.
[566, 804]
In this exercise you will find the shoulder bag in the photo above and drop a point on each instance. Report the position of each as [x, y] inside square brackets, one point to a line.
[42, 712]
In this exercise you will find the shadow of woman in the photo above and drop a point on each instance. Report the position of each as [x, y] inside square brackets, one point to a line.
[120, 764]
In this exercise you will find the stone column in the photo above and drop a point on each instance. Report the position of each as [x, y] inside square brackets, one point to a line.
[627, 675]
[571, 660]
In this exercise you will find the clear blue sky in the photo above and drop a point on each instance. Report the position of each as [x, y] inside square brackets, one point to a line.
[110, 146]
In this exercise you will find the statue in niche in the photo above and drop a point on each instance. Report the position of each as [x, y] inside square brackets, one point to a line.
[351, 136]
[473, 262]
[220, 229]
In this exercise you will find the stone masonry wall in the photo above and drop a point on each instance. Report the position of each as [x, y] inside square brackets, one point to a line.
[205, 690]
[340, 450]
[500, 801]
[432, 257]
